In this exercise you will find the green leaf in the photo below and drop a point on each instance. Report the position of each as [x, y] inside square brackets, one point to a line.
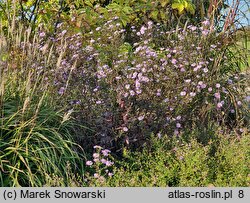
[178, 6]
[114, 6]
[164, 2]
[163, 15]
[191, 9]
[88, 3]
[154, 14]
[127, 9]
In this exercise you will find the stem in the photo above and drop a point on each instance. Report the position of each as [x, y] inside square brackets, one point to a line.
[37, 2]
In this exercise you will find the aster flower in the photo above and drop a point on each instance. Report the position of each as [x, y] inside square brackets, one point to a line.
[210, 89]
[42, 34]
[192, 94]
[97, 147]
[217, 95]
[109, 163]
[140, 118]
[96, 155]
[110, 174]
[89, 163]
[205, 70]
[217, 85]
[239, 103]
[183, 93]
[105, 152]
[206, 22]
[178, 125]
[61, 90]
[125, 129]
[219, 105]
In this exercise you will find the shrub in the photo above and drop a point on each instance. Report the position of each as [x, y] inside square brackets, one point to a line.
[163, 82]
[232, 161]
[175, 162]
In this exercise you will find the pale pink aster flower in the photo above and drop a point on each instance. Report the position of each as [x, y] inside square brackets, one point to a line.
[205, 32]
[61, 90]
[192, 94]
[138, 91]
[206, 22]
[109, 163]
[103, 161]
[127, 86]
[178, 125]
[219, 105]
[96, 155]
[217, 85]
[205, 70]
[193, 28]
[125, 129]
[105, 152]
[132, 92]
[134, 75]
[142, 30]
[166, 100]
[159, 135]
[183, 93]
[217, 95]
[89, 163]
[203, 86]
[178, 118]
[140, 118]
[97, 147]
[64, 32]
[42, 34]
[173, 61]
[150, 23]
[247, 98]
[200, 83]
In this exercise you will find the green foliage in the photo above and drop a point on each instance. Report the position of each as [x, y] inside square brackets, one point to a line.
[184, 164]
[233, 162]
[183, 5]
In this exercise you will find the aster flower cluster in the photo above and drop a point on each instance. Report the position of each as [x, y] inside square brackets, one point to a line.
[162, 82]
[101, 164]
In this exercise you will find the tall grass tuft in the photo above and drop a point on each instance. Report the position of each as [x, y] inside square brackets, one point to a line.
[36, 139]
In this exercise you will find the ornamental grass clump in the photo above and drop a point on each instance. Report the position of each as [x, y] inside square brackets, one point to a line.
[36, 139]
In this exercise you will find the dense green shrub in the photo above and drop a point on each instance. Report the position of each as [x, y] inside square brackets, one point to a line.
[184, 164]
